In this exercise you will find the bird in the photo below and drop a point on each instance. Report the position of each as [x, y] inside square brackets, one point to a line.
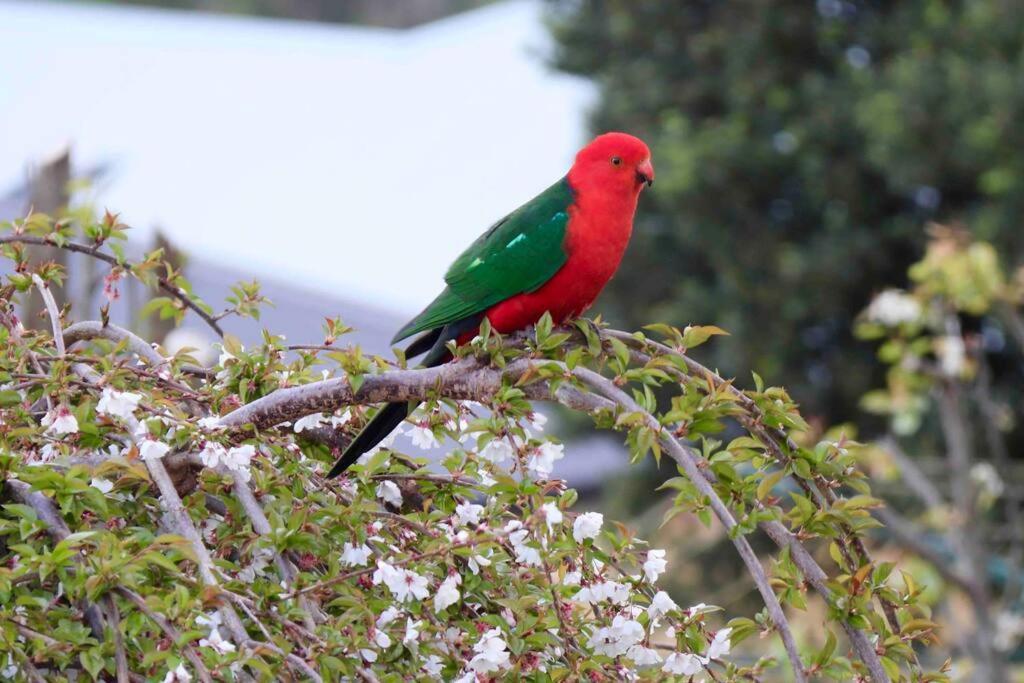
[554, 254]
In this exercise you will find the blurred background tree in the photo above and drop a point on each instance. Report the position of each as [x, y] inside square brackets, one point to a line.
[800, 148]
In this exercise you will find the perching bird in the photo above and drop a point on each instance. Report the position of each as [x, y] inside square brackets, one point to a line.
[553, 254]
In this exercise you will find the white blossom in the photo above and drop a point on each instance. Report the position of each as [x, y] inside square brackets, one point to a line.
[387, 616]
[893, 307]
[537, 421]
[643, 656]
[239, 458]
[212, 620]
[491, 653]
[661, 604]
[617, 639]
[525, 554]
[101, 484]
[572, 578]
[382, 639]
[433, 666]
[587, 525]
[340, 420]
[151, 449]
[352, 556]
[368, 655]
[209, 424]
[412, 631]
[178, 675]
[11, 670]
[448, 593]
[552, 515]
[468, 513]
[952, 355]
[217, 642]
[542, 460]
[422, 436]
[403, 583]
[720, 645]
[388, 491]
[477, 561]
[1009, 628]
[60, 421]
[260, 561]
[655, 565]
[699, 608]
[120, 404]
[311, 421]
[986, 478]
[603, 591]
[683, 663]
[497, 451]
[212, 454]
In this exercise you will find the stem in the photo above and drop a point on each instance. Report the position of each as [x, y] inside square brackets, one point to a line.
[162, 282]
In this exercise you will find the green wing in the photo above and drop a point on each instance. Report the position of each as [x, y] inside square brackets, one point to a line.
[517, 254]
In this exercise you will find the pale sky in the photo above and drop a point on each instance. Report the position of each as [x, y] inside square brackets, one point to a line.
[354, 161]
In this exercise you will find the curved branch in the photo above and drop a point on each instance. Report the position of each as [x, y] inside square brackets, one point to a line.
[58, 530]
[686, 459]
[92, 329]
[51, 310]
[774, 438]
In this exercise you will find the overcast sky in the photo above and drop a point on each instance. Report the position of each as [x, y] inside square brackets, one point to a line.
[296, 151]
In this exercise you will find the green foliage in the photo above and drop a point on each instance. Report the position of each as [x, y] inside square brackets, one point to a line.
[211, 546]
[800, 149]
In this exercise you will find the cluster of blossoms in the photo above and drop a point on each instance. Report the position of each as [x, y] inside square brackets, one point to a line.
[494, 576]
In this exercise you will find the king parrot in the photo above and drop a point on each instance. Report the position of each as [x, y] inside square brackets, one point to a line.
[553, 254]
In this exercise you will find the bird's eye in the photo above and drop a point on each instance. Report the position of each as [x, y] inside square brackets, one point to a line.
[616, 160]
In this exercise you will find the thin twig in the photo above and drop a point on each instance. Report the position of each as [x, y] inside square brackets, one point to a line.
[912, 475]
[174, 634]
[162, 282]
[52, 311]
[1013, 501]
[912, 537]
[114, 621]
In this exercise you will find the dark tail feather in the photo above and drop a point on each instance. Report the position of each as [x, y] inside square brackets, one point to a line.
[423, 343]
[392, 415]
[375, 431]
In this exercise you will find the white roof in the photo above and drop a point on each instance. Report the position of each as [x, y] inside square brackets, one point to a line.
[354, 160]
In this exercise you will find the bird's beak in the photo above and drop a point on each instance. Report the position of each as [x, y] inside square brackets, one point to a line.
[645, 172]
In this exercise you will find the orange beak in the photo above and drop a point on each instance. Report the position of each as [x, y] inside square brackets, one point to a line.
[645, 172]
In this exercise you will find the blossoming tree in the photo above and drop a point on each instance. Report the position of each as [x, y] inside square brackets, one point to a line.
[168, 521]
[963, 516]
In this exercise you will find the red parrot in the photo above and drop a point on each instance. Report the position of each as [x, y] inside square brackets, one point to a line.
[553, 254]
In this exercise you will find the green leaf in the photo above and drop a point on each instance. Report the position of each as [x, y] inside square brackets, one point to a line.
[695, 336]
[9, 397]
[768, 483]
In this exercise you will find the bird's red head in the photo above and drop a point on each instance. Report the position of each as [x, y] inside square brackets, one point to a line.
[614, 162]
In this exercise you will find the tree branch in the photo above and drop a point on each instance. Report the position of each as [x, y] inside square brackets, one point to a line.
[686, 459]
[52, 311]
